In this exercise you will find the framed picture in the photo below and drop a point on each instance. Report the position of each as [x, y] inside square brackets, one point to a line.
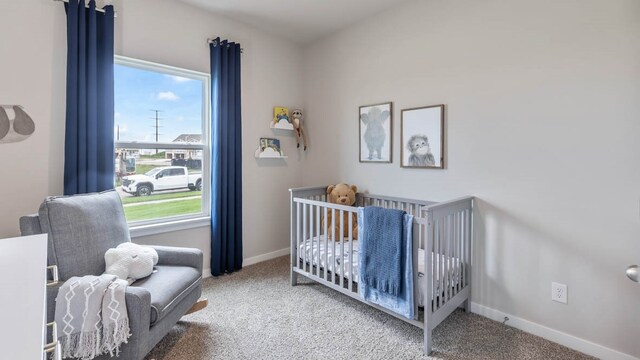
[375, 133]
[422, 137]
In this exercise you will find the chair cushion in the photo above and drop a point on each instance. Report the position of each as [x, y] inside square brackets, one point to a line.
[168, 286]
[81, 229]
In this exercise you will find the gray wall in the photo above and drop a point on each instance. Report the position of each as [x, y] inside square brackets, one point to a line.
[543, 101]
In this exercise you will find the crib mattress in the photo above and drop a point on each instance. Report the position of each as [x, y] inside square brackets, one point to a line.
[311, 256]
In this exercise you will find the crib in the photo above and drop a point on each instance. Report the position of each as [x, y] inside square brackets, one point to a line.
[442, 234]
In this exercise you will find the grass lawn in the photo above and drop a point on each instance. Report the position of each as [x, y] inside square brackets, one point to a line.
[175, 195]
[173, 208]
[143, 168]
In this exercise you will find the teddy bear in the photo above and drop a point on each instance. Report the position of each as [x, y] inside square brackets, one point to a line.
[342, 194]
[130, 261]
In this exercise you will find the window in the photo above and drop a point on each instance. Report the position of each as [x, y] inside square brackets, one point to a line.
[162, 143]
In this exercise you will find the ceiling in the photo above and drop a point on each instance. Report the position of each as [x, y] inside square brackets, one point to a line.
[301, 21]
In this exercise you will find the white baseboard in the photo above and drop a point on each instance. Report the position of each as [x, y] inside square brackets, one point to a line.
[550, 334]
[254, 260]
[264, 257]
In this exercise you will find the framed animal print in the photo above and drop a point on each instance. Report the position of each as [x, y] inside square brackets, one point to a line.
[422, 137]
[376, 133]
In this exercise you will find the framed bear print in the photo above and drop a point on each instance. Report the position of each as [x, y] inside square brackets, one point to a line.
[422, 137]
[375, 133]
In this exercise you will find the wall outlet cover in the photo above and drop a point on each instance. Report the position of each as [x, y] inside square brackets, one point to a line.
[559, 292]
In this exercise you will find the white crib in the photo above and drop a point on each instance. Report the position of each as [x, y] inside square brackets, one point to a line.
[442, 246]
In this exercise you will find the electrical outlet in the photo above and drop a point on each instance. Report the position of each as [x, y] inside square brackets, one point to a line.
[559, 292]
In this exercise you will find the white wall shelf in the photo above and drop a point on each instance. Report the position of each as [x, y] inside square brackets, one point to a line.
[281, 125]
[269, 153]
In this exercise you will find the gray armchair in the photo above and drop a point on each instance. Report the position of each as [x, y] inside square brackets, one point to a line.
[81, 229]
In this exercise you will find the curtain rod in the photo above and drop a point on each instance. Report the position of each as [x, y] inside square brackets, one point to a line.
[115, 14]
[212, 40]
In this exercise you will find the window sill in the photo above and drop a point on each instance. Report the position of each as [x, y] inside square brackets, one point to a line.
[169, 226]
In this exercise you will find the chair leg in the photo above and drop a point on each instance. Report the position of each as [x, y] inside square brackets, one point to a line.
[201, 304]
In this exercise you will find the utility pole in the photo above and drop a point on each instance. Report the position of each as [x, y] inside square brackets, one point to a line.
[157, 125]
[118, 135]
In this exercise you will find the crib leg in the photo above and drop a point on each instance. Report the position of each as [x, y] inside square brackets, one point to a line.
[294, 278]
[427, 340]
[467, 306]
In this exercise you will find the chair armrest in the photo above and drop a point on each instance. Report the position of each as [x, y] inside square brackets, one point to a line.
[138, 306]
[178, 256]
[139, 310]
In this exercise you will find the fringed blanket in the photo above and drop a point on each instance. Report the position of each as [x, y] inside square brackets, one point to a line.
[91, 315]
[381, 261]
[382, 243]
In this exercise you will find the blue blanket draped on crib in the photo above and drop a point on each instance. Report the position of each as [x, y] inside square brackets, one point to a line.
[403, 301]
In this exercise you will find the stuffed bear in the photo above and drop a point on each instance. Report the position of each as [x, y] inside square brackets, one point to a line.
[130, 261]
[342, 194]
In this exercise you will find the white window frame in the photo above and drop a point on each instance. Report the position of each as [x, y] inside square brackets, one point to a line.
[181, 222]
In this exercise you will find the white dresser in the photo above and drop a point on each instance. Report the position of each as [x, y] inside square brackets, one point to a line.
[23, 281]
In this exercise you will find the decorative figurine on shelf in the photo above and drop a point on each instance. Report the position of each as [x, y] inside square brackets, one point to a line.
[296, 120]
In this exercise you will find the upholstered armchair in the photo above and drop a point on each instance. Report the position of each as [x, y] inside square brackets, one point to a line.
[81, 229]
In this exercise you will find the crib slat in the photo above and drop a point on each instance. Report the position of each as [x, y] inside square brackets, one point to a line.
[436, 264]
[463, 259]
[311, 239]
[333, 243]
[341, 248]
[443, 258]
[434, 261]
[465, 263]
[318, 241]
[326, 246]
[447, 272]
[452, 268]
[468, 248]
[429, 251]
[304, 237]
[298, 231]
[350, 278]
[450, 259]
[455, 265]
[415, 253]
[461, 229]
[454, 285]
[441, 261]
[456, 254]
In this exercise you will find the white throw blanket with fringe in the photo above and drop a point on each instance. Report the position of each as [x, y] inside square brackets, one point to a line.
[91, 316]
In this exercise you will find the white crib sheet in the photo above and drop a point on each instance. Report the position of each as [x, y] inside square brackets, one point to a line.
[311, 256]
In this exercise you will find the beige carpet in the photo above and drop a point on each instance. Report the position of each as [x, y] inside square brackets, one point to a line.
[255, 314]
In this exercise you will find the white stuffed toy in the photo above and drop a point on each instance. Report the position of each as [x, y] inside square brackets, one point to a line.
[130, 261]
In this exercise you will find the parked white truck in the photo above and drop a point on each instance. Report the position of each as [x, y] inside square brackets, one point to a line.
[161, 178]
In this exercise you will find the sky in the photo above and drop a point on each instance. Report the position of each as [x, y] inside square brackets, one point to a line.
[138, 91]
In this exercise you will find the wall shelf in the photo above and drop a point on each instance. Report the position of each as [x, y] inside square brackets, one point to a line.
[281, 125]
[268, 153]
